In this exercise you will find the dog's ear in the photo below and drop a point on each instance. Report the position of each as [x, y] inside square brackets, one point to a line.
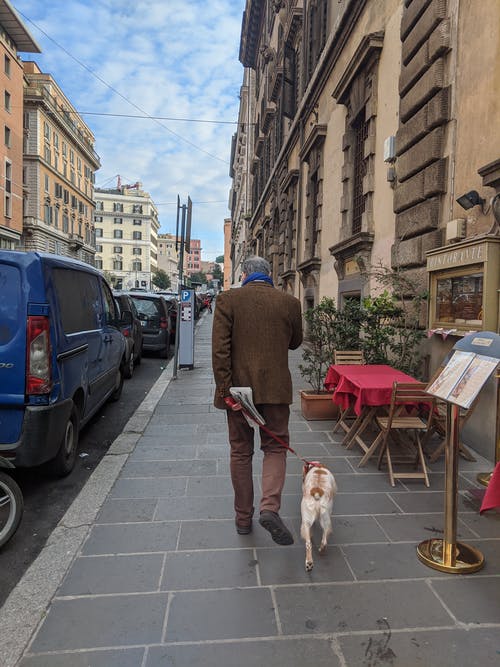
[305, 470]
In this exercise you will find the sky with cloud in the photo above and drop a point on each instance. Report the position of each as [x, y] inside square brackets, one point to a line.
[174, 59]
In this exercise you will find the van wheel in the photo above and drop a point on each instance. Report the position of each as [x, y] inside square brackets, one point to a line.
[11, 502]
[128, 368]
[115, 396]
[64, 461]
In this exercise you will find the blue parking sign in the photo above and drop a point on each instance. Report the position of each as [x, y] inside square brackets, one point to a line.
[185, 295]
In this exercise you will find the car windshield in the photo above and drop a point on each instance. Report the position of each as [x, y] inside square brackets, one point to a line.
[147, 308]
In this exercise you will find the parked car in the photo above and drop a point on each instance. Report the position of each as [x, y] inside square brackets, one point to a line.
[62, 355]
[173, 300]
[156, 319]
[132, 330]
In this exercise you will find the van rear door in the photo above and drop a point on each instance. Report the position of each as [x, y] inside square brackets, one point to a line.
[80, 337]
[13, 312]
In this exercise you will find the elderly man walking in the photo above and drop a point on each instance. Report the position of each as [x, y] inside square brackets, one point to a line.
[254, 327]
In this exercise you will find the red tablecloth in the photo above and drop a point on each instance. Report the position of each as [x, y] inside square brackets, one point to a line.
[360, 385]
[492, 496]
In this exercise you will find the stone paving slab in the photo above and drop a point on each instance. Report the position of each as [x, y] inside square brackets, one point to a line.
[359, 606]
[221, 614]
[101, 575]
[115, 620]
[131, 538]
[123, 511]
[282, 651]
[191, 570]
[471, 599]
[112, 658]
[418, 527]
[446, 648]
[281, 567]
[147, 487]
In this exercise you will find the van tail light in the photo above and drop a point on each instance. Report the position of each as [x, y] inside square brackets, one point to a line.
[163, 323]
[38, 356]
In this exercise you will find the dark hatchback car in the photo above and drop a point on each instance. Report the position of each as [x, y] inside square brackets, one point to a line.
[132, 333]
[155, 314]
[173, 300]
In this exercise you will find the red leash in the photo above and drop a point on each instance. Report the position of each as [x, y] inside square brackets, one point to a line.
[266, 430]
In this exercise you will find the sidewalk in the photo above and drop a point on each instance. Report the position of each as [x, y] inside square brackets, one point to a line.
[146, 568]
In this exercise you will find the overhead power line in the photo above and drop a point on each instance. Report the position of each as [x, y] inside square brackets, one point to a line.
[130, 115]
[117, 92]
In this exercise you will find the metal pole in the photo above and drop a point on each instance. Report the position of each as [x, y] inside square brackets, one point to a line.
[448, 555]
[179, 290]
[451, 484]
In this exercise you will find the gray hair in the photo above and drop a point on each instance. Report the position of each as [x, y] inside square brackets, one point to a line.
[256, 264]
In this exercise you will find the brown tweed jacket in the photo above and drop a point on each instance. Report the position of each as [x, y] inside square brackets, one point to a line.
[253, 328]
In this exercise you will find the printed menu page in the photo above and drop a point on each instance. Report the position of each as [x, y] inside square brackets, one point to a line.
[462, 378]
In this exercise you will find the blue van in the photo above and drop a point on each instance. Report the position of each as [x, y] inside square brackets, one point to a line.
[61, 356]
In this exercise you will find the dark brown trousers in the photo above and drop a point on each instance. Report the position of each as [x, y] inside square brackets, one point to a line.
[241, 439]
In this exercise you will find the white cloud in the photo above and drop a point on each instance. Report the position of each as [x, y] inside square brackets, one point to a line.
[170, 58]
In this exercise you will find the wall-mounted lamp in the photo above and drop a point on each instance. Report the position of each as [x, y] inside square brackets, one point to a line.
[470, 199]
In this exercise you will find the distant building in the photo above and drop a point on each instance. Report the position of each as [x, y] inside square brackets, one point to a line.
[192, 259]
[59, 171]
[168, 259]
[14, 37]
[228, 261]
[126, 228]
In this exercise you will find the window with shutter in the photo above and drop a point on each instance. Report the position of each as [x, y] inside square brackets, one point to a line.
[360, 127]
[289, 82]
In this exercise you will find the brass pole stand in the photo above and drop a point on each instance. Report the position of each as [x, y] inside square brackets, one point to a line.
[484, 477]
[448, 555]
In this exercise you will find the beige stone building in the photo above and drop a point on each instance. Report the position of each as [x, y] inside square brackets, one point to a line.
[14, 37]
[242, 159]
[59, 171]
[370, 118]
[126, 229]
[228, 261]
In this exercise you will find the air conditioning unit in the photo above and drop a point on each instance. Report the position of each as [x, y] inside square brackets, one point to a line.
[455, 230]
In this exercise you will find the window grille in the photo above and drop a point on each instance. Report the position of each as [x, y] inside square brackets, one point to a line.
[360, 128]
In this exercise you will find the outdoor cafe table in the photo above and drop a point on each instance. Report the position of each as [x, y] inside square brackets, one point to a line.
[365, 388]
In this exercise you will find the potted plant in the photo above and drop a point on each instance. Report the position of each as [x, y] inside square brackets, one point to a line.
[327, 329]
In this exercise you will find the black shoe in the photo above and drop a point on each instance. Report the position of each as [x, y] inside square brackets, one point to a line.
[243, 529]
[279, 532]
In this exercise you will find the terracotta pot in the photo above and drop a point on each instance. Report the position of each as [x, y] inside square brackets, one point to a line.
[316, 407]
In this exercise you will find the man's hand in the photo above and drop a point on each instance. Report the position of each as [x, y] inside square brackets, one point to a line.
[232, 404]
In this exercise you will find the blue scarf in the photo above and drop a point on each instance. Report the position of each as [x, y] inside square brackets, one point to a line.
[258, 276]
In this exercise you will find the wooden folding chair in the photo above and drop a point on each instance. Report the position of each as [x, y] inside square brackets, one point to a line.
[439, 427]
[406, 396]
[355, 357]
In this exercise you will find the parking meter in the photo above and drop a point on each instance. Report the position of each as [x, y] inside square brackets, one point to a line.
[186, 329]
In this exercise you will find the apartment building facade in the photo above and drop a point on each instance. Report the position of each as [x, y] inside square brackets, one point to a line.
[375, 143]
[240, 202]
[14, 38]
[126, 230]
[363, 116]
[59, 171]
[192, 259]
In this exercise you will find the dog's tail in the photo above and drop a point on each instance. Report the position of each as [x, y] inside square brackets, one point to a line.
[317, 492]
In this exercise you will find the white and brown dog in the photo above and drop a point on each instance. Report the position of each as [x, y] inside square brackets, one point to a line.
[318, 490]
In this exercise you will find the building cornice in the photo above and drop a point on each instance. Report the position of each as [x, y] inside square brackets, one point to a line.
[250, 32]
